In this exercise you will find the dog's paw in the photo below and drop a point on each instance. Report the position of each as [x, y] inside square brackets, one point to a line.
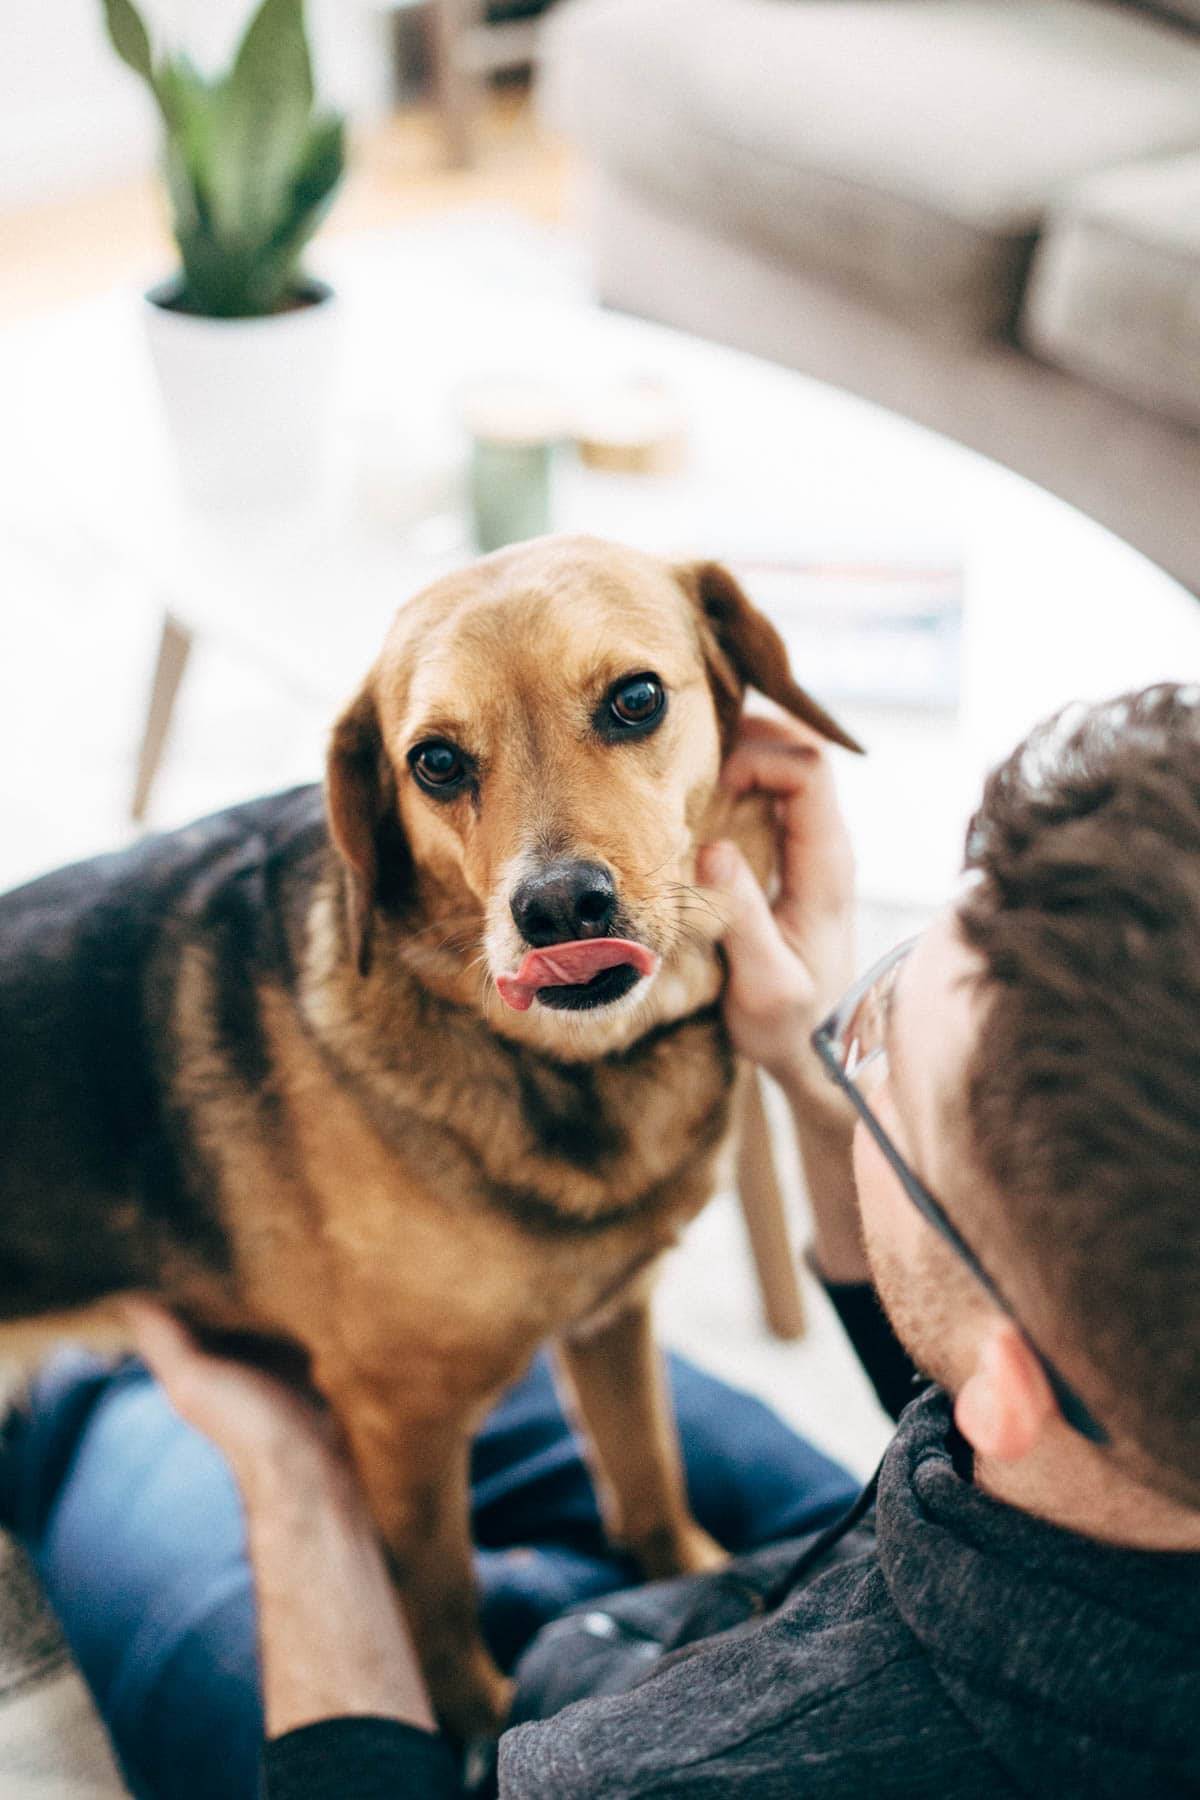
[679, 1550]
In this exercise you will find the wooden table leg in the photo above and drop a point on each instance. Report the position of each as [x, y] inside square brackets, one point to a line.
[174, 647]
[765, 1214]
[456, 79]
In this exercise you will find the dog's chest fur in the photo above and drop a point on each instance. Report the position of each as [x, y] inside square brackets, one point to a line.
[476, 1194]
[397, 1180]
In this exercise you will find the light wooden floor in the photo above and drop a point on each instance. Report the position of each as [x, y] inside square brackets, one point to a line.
[65, 249]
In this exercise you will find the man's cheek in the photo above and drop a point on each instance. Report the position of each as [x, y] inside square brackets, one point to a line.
[888, 1215]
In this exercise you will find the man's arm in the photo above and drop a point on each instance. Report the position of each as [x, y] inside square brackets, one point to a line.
[791, 959]
[789, 963]
[346, 1711]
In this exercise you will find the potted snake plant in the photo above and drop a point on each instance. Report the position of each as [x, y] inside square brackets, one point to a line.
[243, 341]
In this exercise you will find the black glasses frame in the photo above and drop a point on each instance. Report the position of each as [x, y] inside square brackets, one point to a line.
[825, 1041]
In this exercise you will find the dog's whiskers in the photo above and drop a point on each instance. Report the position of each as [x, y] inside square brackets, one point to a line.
[678, 849]
[463, 920]
[460, 932]
[697, 894]
[692, 899]
[482, 960]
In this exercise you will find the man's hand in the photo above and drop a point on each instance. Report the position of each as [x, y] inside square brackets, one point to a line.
[789, 961]
[271, 1433]
[332, 1635]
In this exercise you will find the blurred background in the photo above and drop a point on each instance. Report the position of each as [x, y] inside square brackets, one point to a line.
[79, 139]
[893, 305]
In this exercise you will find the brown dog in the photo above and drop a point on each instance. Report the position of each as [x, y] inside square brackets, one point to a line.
[344, 1087]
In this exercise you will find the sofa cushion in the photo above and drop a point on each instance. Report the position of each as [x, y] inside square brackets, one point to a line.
[1115, 290]
[907, 147]
[1186, 11]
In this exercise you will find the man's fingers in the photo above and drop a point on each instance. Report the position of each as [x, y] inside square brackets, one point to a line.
[762, 966]
[816, 864]
[169, 1351]
[816, 859]
[786, 732]
[161, 1340]
[770, 765]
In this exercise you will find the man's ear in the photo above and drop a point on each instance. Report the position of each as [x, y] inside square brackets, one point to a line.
[364, 821]
[1005, 1405]
[743, 649]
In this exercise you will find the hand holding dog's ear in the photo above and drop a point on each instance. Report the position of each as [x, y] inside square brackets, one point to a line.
[790, 960]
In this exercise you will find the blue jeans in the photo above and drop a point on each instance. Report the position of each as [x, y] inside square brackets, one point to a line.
[134, 1526]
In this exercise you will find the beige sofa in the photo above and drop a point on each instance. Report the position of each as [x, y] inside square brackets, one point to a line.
[984, 214]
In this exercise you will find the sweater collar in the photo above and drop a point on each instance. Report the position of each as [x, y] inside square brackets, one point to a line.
[1007, 1602]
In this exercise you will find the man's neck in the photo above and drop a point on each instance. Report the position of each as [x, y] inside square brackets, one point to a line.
[1079, 1488]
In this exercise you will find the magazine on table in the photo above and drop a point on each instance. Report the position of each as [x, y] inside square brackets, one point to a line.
[874, 633]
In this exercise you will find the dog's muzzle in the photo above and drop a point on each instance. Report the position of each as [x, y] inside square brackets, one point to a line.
[566, 912]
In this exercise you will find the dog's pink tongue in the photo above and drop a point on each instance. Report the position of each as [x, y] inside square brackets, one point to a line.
[566, 965]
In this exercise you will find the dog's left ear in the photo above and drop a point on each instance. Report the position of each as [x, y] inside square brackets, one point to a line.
[364, 821]
[743, 649]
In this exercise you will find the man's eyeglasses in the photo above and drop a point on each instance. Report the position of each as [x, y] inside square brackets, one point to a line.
[852, 1045]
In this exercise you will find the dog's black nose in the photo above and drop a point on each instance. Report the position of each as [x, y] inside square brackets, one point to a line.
[564, 901]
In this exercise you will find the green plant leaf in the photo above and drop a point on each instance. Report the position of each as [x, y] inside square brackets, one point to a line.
[221, 149]
[214, 281]
[310, 194]
[185, 97]
[320, 168]
[270, 99]
[271, 273]
[272, 65]
[129, 37]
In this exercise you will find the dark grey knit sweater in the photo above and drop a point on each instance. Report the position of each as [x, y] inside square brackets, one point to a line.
[960, 1649]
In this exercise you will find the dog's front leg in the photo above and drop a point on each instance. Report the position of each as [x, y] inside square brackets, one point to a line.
[615, 1377]
[415, 1478]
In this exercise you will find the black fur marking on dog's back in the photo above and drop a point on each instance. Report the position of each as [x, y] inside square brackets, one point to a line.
[89, 1165]
[230, 912]
[99, 1169]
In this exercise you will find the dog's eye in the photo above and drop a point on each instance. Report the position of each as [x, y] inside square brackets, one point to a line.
[638, 700]
[437, 765]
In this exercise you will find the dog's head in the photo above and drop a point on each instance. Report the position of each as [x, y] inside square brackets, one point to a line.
[521, 785]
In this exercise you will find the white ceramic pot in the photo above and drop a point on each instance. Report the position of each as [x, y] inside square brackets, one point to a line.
[249, 402]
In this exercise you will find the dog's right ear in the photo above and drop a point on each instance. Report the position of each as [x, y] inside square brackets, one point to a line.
[364, 821]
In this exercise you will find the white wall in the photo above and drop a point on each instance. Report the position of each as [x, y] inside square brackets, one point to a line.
[69, 114]
[72, 116]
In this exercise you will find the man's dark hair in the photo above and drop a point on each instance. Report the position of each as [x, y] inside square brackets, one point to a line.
[1083, 1099]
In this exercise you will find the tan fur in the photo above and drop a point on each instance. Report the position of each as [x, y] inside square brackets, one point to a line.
[402, 1203]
